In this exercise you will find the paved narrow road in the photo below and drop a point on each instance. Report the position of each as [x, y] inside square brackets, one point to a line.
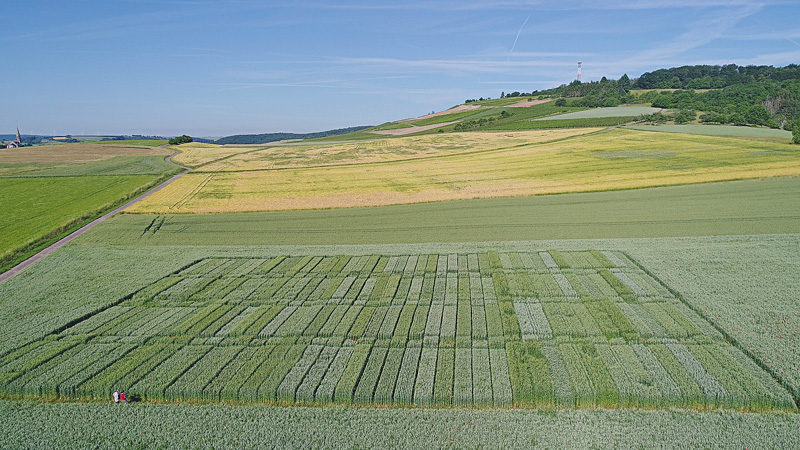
[60, 243]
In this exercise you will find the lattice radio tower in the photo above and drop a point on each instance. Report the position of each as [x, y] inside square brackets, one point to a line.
[579, 71]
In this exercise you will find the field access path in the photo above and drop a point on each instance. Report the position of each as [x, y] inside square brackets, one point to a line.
[70, 237]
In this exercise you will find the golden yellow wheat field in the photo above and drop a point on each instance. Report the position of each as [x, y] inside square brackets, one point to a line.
[195, 154]
[209, 158]
[616, 159]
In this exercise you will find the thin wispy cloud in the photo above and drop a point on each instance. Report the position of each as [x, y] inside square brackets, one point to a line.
[699, 33]
[517, 38]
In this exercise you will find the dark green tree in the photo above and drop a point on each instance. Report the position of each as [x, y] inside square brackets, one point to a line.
[796, 133]
[662, 100]
[685, 116]
[757, 115]
[713, 117]
[738, 119]
[184, 139]
[624, 84]
[610, 101]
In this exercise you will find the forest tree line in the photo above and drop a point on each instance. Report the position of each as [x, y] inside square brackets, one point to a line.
[729, 94]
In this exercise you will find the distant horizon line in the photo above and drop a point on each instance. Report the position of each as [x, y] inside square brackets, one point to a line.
[23, 135]
[168, 136]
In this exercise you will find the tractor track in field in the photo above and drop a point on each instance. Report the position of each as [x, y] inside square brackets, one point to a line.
[70, 237]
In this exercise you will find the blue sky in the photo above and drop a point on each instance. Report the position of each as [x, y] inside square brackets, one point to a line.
[213, 68]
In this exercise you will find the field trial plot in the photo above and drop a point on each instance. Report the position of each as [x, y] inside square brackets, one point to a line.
[542, 329]
[616, 159]
[749, 288]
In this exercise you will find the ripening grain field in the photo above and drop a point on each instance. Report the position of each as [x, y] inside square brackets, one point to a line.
[214, 158]
[610, 160]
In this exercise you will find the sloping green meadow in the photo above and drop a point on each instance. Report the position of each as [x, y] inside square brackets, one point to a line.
[48, 191]
[495, 329]
[36, 210]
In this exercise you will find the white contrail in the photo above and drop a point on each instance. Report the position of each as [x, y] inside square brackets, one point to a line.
[517, 38]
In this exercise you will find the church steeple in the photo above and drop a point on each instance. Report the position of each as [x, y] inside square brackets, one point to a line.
[17, 143]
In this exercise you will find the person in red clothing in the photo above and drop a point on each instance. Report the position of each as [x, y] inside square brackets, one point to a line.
[122, 398]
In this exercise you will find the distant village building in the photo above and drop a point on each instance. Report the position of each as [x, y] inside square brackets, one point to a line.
[17, 143]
